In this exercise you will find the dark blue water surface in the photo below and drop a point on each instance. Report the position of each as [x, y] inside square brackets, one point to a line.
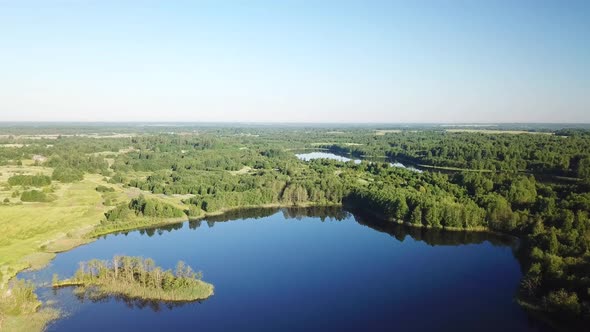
[307, 270]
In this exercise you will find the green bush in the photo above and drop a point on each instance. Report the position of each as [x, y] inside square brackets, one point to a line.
[562, 302]
[67, 175]
[29, 180]
[34, 196]
[145, 207]
[104, 189]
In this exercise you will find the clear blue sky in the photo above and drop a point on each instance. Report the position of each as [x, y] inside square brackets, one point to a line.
[295, 61]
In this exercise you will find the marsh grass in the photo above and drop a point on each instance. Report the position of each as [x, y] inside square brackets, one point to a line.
[29, 322]
[138, 278]
[198, 291]
[20, 308]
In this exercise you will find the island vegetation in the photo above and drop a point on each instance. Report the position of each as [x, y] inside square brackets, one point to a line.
[138, 278]
[536, 187]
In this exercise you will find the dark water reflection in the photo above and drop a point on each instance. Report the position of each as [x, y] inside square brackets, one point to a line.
[435, 237]
[312, 269]
[84, 295]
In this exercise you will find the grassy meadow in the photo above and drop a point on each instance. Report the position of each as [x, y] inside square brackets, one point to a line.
[33, 232]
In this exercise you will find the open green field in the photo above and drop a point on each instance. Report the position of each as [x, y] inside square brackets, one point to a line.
[33, 232]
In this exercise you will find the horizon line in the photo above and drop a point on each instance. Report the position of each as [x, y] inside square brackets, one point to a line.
[485, 123]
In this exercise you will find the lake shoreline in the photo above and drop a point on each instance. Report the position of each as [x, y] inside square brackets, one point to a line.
[171, 221]
[298, 219]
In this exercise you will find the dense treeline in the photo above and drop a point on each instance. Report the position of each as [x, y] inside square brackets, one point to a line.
[420, 209]
[139, 277]
[144, 207]
[260, 175]
[548, 154]
[85, 164]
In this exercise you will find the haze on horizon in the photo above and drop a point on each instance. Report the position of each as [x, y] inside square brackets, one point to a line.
[295, 61]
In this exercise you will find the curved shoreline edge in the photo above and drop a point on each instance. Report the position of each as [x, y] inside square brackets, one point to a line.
[154, 223]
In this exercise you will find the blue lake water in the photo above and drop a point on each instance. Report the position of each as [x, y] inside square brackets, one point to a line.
[328, 155]
[307, 270]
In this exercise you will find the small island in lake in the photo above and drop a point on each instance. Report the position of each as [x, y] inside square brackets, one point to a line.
[137, 277]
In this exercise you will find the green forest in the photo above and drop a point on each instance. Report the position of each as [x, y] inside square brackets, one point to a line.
[533, 185]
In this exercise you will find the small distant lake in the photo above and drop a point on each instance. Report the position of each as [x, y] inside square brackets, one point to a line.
[317, 269]
[324, 155]
[328, 155]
